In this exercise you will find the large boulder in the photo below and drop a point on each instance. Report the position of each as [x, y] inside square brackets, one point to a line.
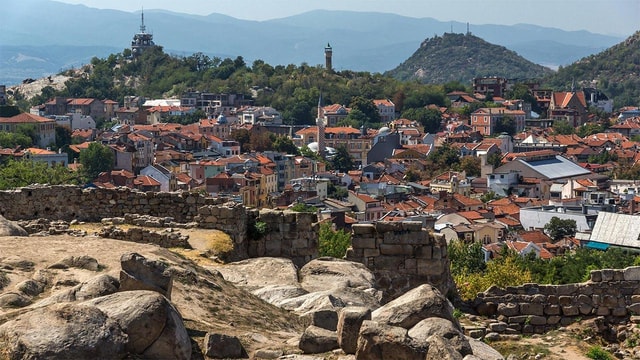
[63, 331]
[220, 346]
[419, 303]
[384, 342]
[436, 329]
[279, 294]
[141, 323]
[327, 273]
[318, 340]
[263, 272]
[139, 273]
[81, 262]
[141, 314]
[100, 285]
[10, 228]
[483, 351]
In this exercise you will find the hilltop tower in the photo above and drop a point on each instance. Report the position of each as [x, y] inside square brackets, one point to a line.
[142, 40]
[328, 53]
[320, 123]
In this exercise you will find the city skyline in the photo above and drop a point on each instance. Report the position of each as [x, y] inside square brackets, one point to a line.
[618, 17]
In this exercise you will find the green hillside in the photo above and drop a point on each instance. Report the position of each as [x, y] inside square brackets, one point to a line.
[615, 71]
[460, 57]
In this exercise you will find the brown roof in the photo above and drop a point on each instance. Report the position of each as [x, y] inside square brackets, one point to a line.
[25, 118]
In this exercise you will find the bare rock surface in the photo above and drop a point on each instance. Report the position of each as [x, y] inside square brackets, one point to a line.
[10, 228]
[417, 304]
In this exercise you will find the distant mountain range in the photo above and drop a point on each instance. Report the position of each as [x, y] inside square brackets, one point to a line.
[462, 57]
[50, 36]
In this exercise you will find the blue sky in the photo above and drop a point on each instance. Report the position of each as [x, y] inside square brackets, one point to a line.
[615, 17]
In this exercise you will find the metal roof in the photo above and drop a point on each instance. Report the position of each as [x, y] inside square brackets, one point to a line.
[556, 168]
[617, 229]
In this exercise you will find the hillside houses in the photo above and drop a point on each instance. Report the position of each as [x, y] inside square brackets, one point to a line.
[519, 176]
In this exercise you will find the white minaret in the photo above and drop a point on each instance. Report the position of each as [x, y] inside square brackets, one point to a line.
[320, 123]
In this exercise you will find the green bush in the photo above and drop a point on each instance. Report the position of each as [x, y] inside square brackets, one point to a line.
[597, 353]
[257, 230]
[333, 243]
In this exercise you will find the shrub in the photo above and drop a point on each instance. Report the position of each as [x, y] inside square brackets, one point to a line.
[597, 353]
[333, 243]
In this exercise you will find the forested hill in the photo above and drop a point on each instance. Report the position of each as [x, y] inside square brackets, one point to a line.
[615, 71]
[462, 57]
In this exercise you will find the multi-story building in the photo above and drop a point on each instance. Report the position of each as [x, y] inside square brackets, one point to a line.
[334, 113]
[356, 143]
[259, 115]
[484, 120]
[214, 104]
[45, 128]
[569, 106]
[386, 109]
[85, 106]
[493, 86]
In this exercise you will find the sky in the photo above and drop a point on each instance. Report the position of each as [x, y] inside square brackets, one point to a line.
[611, 17]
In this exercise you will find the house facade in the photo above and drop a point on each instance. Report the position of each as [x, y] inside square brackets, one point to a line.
[45, 128]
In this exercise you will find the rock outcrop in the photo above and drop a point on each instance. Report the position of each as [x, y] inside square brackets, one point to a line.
[138, 273]
[10, 228]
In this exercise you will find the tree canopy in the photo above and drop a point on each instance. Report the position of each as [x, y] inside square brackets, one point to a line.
[19, 173]
[95, 159]
[559, 228]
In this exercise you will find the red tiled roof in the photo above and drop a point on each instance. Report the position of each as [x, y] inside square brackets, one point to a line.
[25, 118]
[467, 201]
[535, 236]
[144, 180]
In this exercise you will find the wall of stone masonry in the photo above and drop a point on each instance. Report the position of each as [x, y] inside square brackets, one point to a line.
[533, 308]
[288, 234]
[165, 238]
[402, 255]
[93, 204]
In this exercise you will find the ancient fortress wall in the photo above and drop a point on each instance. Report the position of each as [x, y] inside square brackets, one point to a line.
[92, 205]
[402, 255]
[613, 295]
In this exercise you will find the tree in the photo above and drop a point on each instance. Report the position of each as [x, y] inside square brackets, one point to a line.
[562, 127]
[243, 137]
[63, 136]
[443, 157]
[495, 159]
[342, 161]
[19, 173]
[95, 159]
[471, 165]
[466, 258]
[430, 119]
[13, 140]
[367, 107]
[559, 228]
[333, 243]
[29, 130]
[285, 144]
[505, 124]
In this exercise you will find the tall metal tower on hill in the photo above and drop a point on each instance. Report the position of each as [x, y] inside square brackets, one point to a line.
[142, 40]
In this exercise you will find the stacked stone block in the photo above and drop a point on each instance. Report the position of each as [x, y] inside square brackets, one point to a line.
[289, 234]
[92, 205]
[401, 254]
[534, 308]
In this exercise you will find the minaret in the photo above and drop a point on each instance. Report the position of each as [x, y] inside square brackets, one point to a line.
[320, 123]
[328, 52]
